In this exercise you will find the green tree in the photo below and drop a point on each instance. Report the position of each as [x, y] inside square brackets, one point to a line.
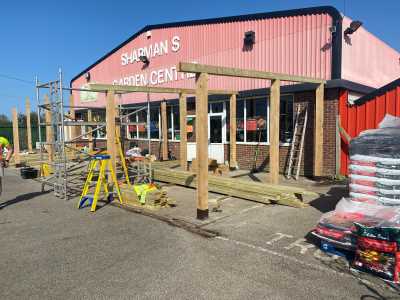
[5, 121]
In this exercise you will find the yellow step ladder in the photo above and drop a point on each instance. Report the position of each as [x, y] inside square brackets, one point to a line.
[104, 161]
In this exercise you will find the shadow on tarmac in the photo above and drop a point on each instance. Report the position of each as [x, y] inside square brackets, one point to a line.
[328, 201]
[21, 198]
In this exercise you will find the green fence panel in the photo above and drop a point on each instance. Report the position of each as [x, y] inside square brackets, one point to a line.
[7, 132]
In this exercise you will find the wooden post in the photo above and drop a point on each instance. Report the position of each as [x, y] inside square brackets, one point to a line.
[17, 158]
[182, 131]
[28, 124]
[338, 144]
[73, 129]
[274, 114]
[164, 128]
[232, 131]
[110, 128]
[49, 131]
[90, 135]
[202, 144]
[319, 130]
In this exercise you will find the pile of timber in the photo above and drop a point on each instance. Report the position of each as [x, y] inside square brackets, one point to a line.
[157, 197]
[154, 198]
[249, 190]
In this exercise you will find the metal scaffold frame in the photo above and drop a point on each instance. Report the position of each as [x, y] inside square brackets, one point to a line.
[53, 107]
[67, 180]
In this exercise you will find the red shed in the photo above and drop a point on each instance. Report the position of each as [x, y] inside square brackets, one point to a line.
[366, 113]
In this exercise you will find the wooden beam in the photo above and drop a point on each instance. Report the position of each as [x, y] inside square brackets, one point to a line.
[232, 132]
[274, 113]
[110, 128]
[182, 131]
[17, 157]
[28, 124]
[49, 131]
[319, 130]
[164, 128]
[202, 144]
[246, 73]
[99, 87]
[90, 135]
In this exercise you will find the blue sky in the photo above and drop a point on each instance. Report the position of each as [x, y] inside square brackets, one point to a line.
[39, 36]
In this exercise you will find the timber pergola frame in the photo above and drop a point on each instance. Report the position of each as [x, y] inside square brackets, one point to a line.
[111, 90]
[202, 72]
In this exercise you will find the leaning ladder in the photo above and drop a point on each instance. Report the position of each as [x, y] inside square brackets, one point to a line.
[297, 146]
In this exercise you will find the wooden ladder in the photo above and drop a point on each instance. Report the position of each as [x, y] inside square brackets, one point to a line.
[297, 145]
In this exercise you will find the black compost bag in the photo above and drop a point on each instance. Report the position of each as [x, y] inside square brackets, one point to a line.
[381, 143]
[380, 231]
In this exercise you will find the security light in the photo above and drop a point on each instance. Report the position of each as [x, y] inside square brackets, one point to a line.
[87, 76]
[354, 25]
[144, 59]
[249, 38]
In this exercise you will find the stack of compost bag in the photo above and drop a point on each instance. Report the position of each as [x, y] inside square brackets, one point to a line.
[368, 222]
[375, 164]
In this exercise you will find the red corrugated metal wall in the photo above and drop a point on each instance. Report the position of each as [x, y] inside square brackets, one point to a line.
[359, 117]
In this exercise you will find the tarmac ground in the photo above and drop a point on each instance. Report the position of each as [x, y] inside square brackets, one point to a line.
[51, 250]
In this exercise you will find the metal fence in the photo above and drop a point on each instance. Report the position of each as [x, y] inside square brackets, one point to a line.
[7, 132]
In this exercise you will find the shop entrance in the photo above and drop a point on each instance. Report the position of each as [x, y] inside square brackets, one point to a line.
[215, 138]
[216, 133]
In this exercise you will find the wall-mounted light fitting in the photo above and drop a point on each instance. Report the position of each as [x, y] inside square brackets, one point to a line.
[87, 76]
[354, 25]
[148, 34]
[249, 38]
[144, 59]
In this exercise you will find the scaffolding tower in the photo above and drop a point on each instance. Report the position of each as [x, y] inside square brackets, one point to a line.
[67, 176]
[57, 156]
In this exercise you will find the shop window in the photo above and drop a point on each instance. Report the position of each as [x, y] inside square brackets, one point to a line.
[256, 120]
[191, 107]
[97, 116]
[216, 107]
[173, 123]
[176, 123]
[240, 124]
[228, 121]
[154, 123]
[169, 122]
[132, 130]
[142, 128]
[191, 129]
[286, 119]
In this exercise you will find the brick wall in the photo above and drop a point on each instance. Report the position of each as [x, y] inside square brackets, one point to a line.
[246, 153]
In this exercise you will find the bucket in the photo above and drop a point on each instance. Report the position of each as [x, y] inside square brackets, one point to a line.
[29, 173]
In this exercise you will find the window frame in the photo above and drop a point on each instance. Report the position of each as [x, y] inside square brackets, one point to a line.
[245, 142]
[171, 117]
[267, 97]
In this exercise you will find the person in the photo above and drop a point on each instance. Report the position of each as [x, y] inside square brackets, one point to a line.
[4, 145]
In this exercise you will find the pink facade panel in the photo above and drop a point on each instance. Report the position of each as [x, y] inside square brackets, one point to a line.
[298, 45]
[368, 60]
